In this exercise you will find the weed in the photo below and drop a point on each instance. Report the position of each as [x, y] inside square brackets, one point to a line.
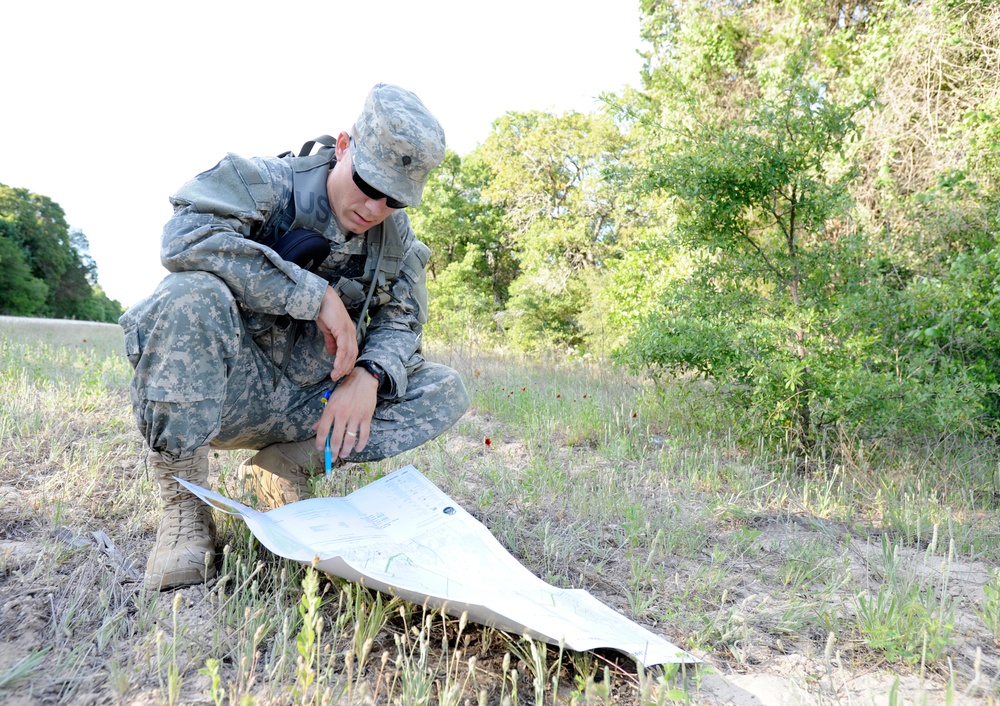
[989, 610]
[370, 611]
[307, 641]
[22, 670]
[414, 680]
[212, 671]
[534, 655]
[908, 619]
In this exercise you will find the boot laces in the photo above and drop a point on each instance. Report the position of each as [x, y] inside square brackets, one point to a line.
[184, 514]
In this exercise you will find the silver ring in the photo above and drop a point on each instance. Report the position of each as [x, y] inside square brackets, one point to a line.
[350, 433]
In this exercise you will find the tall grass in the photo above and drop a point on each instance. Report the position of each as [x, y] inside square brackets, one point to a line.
[881, 562]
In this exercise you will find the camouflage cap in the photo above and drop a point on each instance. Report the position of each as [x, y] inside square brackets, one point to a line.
[397, 142]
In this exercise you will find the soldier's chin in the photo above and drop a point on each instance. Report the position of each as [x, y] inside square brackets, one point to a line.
[363, 223]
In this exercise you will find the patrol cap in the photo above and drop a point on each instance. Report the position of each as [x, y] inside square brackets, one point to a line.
[397, 142]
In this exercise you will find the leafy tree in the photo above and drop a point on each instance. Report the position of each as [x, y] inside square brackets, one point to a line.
[927, 196]
[48, 268]
[454, 217]
[462, 309]
[754, 196]
[933, 67]
[815, 296]
[519, 226]
[562, 217]
[742, 217]
[21, 293]
[471, 266]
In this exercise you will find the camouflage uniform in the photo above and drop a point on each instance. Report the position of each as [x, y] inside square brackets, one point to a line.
[210, 347]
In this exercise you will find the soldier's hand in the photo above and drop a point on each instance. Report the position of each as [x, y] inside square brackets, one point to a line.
[348, 414]
[339, 335]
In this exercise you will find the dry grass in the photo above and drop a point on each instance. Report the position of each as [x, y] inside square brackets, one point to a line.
[871, 582]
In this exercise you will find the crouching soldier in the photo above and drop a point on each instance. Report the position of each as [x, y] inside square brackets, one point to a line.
[291, 320]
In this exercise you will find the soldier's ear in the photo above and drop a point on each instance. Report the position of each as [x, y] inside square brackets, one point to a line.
[343, 145]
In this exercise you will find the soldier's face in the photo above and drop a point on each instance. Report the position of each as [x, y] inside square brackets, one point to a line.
[355, 212]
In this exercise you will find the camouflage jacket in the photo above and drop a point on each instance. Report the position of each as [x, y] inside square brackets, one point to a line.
[216, 226]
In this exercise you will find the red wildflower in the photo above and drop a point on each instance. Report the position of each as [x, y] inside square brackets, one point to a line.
[488, 442]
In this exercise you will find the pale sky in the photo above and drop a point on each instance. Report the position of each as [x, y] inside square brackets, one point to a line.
[109, 106]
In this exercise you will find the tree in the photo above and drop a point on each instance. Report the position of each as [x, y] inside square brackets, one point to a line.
[820, 239]
[471, 266]
[562, 217]
[21, 293]
[48, 270]
[755, 196]
[454, 215]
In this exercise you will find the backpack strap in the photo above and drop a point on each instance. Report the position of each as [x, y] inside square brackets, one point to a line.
[323, 140]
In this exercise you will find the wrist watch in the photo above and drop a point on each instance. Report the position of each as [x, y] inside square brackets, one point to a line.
[374, 368]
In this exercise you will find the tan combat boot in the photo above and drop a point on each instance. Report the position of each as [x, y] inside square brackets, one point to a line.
[279, 474]
[187, 530]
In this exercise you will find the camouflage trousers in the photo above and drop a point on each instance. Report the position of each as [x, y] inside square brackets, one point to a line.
[202, 377]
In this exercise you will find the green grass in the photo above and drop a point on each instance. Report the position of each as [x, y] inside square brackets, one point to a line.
[873, 576]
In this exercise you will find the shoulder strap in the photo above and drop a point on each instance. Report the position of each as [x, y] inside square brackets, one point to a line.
[312, 207]
[323, 140]
[385, 251]
[309, 207]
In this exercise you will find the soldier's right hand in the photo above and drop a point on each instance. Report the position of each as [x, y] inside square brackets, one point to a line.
[339, 335]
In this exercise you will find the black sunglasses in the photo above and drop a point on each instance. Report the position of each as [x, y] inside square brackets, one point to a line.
[371, 192]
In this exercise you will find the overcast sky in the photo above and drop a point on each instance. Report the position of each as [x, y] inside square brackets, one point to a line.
[110, 106]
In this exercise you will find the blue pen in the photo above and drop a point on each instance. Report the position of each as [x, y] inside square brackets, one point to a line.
[327, 453]
[328, 456]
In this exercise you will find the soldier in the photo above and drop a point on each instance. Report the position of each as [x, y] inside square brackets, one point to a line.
[293, 279]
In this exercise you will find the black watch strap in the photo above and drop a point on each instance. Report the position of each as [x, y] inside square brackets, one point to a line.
[374, 368]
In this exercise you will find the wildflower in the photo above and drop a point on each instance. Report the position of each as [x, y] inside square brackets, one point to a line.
[488, 442]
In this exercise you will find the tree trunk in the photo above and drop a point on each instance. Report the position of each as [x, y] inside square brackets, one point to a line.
[803, 440]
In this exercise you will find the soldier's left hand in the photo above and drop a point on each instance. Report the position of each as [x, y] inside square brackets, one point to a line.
[339, 334]
[348, 414]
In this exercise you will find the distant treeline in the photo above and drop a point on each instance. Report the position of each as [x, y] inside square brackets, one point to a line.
[45, 268]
